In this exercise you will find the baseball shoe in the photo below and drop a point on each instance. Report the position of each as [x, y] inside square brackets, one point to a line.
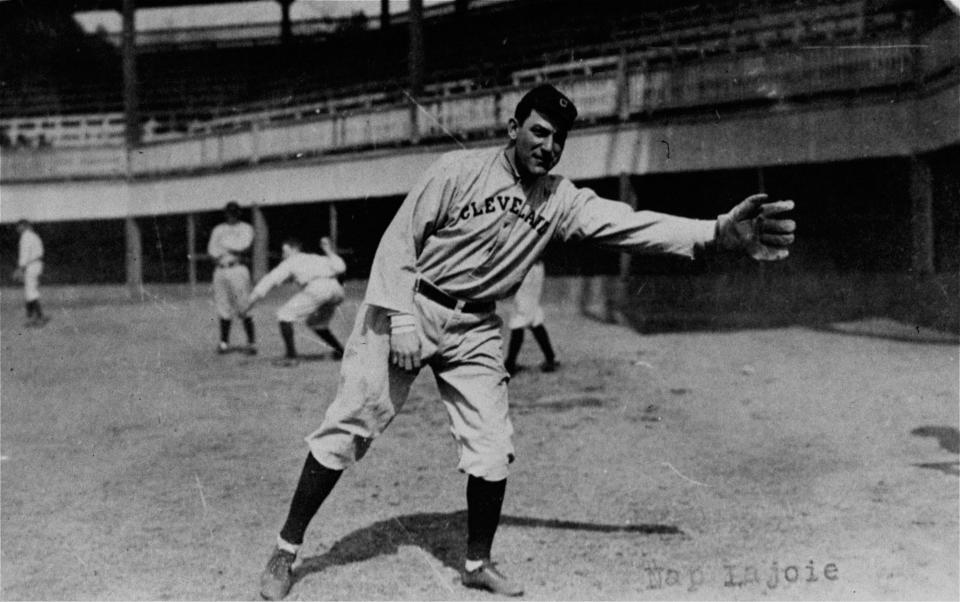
[223, 348]
[489, 578]
[277, 578]
[286, 362]
[549, 366]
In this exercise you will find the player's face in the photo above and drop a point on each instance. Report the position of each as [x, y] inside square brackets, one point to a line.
[538, 144]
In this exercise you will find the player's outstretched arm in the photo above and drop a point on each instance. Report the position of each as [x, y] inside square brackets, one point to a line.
[752, 227]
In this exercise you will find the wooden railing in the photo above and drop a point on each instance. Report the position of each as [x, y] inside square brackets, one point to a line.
[631, 89]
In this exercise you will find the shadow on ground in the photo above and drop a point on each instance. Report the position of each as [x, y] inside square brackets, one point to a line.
[949, 440]
[444, 536]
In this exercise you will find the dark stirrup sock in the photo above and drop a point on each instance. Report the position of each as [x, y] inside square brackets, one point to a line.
[248, 328]
[316, 483]
[484, 501]
[286, 331]
[543, 339]
[513, 348]
[224, 331]
[329, 339]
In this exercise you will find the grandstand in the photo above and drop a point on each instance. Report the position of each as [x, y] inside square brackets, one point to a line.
[780, 92]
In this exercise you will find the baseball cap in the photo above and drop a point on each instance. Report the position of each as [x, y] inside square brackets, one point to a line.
[549, 102]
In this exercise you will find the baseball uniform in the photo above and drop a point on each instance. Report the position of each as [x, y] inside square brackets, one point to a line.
[464, 238]
[319, 295]
[231, 278]
[30, 265]
[320, 292]
[472, 229]
[526, 311]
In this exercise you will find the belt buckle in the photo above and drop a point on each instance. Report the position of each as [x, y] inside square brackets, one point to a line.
[460, 305]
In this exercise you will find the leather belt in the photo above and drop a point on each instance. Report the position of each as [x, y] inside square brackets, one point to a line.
[228, 264]
[428, 290]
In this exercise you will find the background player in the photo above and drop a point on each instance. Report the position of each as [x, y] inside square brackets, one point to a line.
[229, 243]
[317, 299]
[527, 313]
[463, 238]
[29, 268]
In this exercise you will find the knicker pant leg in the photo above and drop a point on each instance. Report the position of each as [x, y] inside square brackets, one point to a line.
[371, 392]
[473, 386]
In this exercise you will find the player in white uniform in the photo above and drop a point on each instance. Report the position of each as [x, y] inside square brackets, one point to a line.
[463, 238]
[229, 242]
[319, 295]
[528, 313]
[29, 269]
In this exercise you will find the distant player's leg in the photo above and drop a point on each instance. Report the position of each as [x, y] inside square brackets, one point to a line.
[543, 340]
[540, 334]
[319, 323]
[249, 329]
[297, 308]
[241, 291]
[31, 284]
[286, 333]
[370, 395]
[330, 339]
[224, 307]
[513, 350]
[473, 387]
[225, 325]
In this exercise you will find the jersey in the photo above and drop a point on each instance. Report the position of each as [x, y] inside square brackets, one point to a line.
[30, 248]
[473, 228]
[228, 241]
[320, 291]
[301, 268]
[527, 311]
[30, 260]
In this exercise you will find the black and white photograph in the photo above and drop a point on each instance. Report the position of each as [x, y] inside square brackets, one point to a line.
[480, 300]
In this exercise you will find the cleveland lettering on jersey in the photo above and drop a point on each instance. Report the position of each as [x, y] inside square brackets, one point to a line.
[503, 204]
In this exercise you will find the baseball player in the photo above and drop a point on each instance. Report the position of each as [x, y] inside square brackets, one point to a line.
[229, 242]
[463, 238]
[319, 295]
[29, 268]
[527, 313]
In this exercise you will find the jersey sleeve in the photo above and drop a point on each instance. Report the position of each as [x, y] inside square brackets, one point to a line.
[274, 277]
[214, 249]
[394, 270]
[337, 265]
[30, 249]
[614, 224]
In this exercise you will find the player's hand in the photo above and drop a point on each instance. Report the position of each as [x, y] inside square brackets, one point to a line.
[405, 350]
[749, 227]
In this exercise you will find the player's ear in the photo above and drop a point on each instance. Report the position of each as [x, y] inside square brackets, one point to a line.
[513, 128]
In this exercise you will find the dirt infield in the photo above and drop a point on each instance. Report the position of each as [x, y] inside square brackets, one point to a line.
[787, 463]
